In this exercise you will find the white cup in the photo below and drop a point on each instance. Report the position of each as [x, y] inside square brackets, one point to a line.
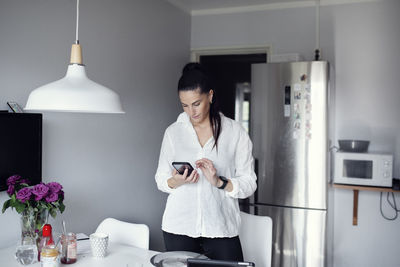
[99, 243]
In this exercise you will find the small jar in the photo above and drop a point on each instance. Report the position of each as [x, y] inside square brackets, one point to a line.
[49, 257]
[68, 248]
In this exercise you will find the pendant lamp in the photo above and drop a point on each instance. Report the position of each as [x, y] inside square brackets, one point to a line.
[75, 92]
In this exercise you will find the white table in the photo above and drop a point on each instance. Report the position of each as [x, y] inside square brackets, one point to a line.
[117, 256]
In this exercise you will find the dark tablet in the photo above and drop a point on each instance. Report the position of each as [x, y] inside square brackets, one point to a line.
[209, 263]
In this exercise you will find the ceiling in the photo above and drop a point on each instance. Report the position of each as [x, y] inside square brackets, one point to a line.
[196, 5]
[204, 7]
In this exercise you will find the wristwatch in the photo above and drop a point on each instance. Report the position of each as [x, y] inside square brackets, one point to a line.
[224, 182]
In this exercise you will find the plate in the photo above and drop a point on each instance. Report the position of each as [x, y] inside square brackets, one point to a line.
[174, 258]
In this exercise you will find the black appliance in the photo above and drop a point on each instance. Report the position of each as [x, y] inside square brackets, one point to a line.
[20, 147]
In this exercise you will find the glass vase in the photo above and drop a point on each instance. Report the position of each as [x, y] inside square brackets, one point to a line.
[28, 250]
[32, 223]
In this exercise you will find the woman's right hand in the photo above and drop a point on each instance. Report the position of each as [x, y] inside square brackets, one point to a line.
[179, 179]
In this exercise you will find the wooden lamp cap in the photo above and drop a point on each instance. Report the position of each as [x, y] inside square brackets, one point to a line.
[76, 54]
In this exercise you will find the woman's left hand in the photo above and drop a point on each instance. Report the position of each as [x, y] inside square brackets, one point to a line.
[208, 169]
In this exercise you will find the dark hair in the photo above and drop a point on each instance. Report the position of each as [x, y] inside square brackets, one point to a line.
[195, 77]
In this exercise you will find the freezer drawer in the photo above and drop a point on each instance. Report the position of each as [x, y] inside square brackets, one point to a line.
[299, 236]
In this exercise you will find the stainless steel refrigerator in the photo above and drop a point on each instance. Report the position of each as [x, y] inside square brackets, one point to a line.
[289, 128]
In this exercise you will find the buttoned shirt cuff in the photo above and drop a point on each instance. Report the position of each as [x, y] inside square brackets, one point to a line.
[162, 184]
[167, 188]
[235, 190]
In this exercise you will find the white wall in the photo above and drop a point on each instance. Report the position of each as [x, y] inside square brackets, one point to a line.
[361, 42]
[106, 163]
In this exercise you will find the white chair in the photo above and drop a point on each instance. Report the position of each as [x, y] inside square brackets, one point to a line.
[256, 239]
[131, 234]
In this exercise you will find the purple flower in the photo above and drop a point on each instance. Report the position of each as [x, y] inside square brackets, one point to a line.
[12, 180]
[40, 191]
[52, 197]
[54, 187]
[10, 190]
[24, 194]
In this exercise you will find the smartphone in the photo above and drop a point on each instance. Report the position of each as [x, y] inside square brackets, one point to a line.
[204, 263]
[182, 166]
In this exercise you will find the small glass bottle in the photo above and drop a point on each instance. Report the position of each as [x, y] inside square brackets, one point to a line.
[46, 239]
[47, 232]
[49, 256]
[68, 248]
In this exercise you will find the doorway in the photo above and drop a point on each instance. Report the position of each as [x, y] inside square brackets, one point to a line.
[231, 75]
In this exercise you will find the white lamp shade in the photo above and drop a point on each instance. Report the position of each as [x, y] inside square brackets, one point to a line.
[74, 93]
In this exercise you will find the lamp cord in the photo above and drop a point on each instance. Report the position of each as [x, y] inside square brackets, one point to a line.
[317, 6]
[392, 205]
[77, 23]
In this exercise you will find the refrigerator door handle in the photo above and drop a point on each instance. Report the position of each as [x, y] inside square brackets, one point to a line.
[257, 173]
[256, 170]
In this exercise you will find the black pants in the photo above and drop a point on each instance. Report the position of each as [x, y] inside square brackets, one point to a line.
[214, 248]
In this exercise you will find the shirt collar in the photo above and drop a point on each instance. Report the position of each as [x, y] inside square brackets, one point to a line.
[183, 117]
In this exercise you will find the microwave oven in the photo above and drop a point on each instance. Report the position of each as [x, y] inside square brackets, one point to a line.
[363, 169]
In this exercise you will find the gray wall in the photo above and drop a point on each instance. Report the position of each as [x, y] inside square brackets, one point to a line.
[106, 163]
[361, 42]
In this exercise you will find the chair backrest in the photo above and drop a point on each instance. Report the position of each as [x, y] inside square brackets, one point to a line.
[256, 239]
[131, 234]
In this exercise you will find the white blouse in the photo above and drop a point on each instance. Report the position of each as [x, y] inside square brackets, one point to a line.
[201, 209]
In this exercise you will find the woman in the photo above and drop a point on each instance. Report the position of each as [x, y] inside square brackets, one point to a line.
[202, 211]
